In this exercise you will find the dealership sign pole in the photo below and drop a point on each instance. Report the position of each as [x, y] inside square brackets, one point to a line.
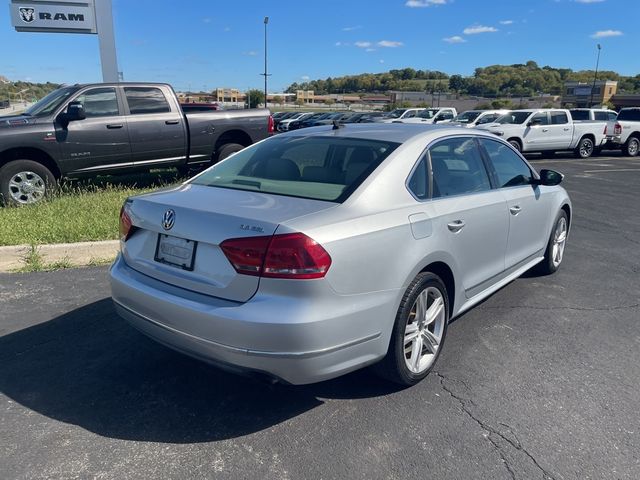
[71, 16]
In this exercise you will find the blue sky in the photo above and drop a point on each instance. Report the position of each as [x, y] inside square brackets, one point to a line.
[205, 43]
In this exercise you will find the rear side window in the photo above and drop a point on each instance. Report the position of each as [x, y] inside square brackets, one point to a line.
[559, 118]
[510, 169]
[315, 167]
[457, 168]
[631, 114]
[99, 102]
[146, 100]
[418, 183]
[580, 114]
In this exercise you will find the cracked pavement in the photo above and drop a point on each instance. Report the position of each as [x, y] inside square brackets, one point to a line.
[540, 381]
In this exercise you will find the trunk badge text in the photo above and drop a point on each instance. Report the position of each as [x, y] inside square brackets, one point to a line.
[252, 228]
[168, 219]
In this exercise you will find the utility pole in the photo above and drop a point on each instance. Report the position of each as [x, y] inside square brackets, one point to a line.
[595, 75]
[265, 74]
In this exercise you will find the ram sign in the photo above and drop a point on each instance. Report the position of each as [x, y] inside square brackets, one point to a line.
[67, 17]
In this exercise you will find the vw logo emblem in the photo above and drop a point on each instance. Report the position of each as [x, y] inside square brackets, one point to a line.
[168, 219]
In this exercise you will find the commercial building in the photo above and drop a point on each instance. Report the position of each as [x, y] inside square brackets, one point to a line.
[583, 94]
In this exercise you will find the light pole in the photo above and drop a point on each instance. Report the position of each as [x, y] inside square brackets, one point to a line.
[265, 74]
[595, 75]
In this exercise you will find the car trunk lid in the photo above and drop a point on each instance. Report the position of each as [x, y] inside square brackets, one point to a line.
[203, 217]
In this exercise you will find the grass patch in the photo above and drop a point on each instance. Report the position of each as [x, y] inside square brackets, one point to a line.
[78, 212]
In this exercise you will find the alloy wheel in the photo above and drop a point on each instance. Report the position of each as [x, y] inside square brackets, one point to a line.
[424, 330]
[27, 187]
[559, 241]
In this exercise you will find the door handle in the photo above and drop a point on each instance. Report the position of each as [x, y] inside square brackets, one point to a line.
[566, 129]
[545, 129]
[113, 126]
[515, 210]
[456, 226]
[172, 122]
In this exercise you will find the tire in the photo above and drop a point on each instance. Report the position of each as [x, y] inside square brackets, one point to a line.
[585, 148]
[395, 365]
[551, 263]
[24, 182]
[632, 147]
[227, 150]
[515, 144]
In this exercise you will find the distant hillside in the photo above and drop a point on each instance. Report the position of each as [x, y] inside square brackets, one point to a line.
[30, 91]
[495, 80]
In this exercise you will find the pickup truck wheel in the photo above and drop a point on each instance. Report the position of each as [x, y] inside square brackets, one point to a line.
[632, 147]
[515, 144]
[227, 150]
[24, 182]
[585, 148]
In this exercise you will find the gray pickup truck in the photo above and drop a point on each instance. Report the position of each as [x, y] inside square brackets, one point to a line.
[115, 128]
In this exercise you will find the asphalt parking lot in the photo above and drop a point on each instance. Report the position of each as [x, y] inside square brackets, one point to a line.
[539, 381]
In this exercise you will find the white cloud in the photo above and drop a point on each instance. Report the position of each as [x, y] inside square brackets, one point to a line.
[251, 53]
[350, 29]
[305, 77]
[478, 29]
[607, 33]
[506, 22]
[454, 39]
[425, 3]
[206, 20]
[226, 29]
[363, 44]
[588, 1]
[389, 44]
[370, 50]
[341, 44]
[381, 61]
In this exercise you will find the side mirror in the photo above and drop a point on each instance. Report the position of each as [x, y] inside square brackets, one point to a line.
[75, 111]
[534, 122]
[548, 178]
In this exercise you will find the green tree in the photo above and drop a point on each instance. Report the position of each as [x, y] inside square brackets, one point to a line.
[278, 100]
[299, 102]
[457, 83]
[254, 98]
[329, 101]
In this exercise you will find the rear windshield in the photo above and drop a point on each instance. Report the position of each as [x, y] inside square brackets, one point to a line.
[632, 114]
[315, 167]
[579, 114]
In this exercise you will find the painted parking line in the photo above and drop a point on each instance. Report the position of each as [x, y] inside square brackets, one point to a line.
[613, 170]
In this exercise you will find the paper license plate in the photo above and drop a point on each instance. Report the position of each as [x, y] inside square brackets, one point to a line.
[175, 251]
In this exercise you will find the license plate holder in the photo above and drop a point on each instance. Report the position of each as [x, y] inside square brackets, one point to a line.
[175, 251]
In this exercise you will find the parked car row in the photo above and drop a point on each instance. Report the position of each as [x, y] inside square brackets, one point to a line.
[285, 121]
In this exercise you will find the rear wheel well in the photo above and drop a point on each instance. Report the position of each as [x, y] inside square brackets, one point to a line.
[232, 136]
[444, 272]
[567, 210]
[590, 136]
[30, 154]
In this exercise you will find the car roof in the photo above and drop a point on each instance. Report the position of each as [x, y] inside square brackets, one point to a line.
[387, 132]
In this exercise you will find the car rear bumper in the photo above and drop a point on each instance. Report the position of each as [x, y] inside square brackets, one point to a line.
[263, 335]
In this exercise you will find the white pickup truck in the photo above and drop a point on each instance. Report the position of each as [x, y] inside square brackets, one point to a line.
[624, 132]
[473, 118]
[431, 115]
[399, 114]
[548, 130]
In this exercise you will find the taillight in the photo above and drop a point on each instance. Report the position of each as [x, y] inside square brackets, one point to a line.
[246, 254]
[617, 129]
[126, 226]
[289, 255]
[270, 126]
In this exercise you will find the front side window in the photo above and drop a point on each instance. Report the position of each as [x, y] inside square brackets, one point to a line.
[315, 167]
[458, 168]
[559, 118]
[515, 118]
[489, 118]
[510, 169]
[146, 100]
[467, 117]
[99, 102]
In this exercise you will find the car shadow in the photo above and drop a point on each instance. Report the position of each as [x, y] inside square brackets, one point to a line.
[89, 368]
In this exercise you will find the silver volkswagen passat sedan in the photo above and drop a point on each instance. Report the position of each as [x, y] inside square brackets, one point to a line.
[323, 250]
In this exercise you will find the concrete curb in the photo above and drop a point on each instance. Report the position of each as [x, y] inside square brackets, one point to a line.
[81, 253]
